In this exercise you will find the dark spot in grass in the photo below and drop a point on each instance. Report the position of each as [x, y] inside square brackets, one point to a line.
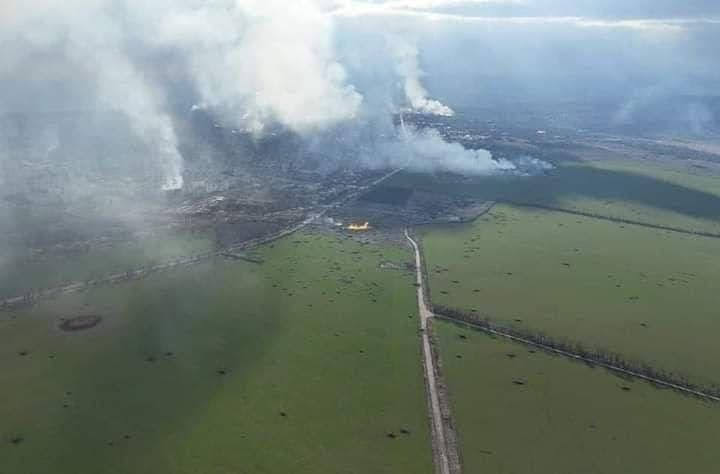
[169, 354]
[222, 372]
[80, 323]
[17, 440]
[150, 359]
[459, 356]
[509, 274]
[519, 382]
[511, 355]
[23, 353]
[405, 431]
[625, 389]
[518, 320]
[391, 435]
[462, 336]
[127, 436]
[644, 325]
[532, 351]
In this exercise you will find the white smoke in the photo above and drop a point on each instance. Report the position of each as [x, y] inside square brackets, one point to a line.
[407, 67]
[84, 43]
[426, 151]
[260, 62]
[252, 64]
[122, 87]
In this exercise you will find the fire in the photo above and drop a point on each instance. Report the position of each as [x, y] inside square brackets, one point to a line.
[359, 227]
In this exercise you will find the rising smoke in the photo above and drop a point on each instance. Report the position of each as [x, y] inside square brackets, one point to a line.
[407, 66]
[253, 64]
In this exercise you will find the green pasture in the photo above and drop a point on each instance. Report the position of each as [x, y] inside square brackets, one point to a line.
[21, 273]
[648, 294]
[307, 363]
[641, 191]
[520, 411]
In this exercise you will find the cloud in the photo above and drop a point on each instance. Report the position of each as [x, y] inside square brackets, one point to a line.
[655, 16]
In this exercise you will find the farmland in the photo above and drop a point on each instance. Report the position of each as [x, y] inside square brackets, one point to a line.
[308, 362]
[625, 189]
[565, 417]
[647, 294]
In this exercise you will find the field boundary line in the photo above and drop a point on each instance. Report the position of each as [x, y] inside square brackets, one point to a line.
[614, 368]
[618, 220]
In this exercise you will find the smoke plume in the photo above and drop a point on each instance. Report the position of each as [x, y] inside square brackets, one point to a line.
[408, 68]
[252, 65]
[426, 151]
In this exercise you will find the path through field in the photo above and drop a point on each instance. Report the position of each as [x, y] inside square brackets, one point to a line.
[440, 445]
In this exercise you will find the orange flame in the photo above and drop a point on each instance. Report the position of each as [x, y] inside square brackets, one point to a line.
[358, 227]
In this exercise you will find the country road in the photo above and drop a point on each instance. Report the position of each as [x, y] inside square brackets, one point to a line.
[440, 446]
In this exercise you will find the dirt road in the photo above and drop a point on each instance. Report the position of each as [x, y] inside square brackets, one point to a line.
[440, 446]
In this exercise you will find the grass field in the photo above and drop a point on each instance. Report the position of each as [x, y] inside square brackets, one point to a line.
[21, 273]
[567, 418]
[640, 191]
[647, 294]
[304, 364]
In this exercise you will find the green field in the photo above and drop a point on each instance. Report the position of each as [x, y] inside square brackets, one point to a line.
[21, 273]
[647, 294]
[640, 191]
[567, 418]
[304, 364]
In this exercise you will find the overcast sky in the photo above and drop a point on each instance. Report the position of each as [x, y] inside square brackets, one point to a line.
[606, 9]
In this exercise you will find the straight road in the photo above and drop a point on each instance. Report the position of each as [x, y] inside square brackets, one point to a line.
[440, 449]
